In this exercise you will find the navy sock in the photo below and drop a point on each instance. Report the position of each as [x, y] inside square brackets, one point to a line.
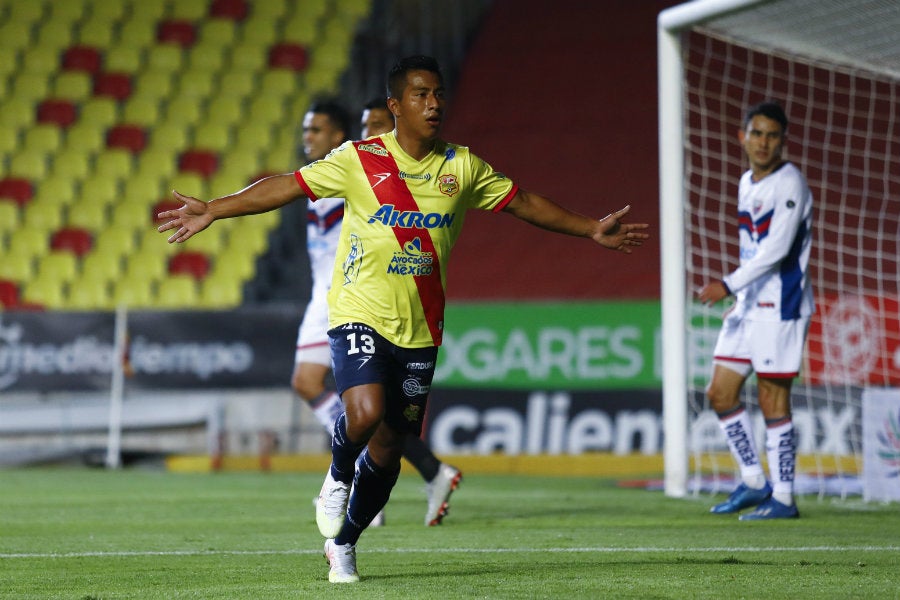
[421, 457]
[343, 452]
[371, 489]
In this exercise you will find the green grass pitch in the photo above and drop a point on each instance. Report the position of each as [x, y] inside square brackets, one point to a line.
[90, 534]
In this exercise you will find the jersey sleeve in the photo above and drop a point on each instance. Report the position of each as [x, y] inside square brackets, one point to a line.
[787, 215]
[326, 178]
[492, 190]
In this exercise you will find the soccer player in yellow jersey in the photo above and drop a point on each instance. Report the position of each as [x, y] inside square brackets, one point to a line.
[406, 194]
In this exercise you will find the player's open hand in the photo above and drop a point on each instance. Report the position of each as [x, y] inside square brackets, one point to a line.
[191, 218]
[616, 235]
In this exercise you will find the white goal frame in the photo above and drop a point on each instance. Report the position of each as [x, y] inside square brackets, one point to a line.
[672, 26]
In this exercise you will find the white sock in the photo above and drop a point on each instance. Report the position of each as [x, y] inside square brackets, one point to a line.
[781, 450]
[739, 434]
[327, 407]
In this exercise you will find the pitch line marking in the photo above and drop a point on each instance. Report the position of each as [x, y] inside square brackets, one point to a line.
[597, 549]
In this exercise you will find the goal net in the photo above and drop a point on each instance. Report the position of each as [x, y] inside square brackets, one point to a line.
[835, 67]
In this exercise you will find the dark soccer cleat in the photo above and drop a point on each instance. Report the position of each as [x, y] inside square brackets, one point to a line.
[741, 498]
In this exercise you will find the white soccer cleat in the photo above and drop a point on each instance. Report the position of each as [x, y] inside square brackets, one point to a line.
[342, 562]
[332, 506]
[439, 490]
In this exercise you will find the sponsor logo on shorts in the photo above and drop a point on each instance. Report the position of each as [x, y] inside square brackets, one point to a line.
[418, 366]
[412, 388]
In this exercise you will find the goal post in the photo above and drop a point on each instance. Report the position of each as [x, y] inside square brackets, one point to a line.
[835, 66]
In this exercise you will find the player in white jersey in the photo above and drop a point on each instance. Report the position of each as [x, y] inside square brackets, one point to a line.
[766, 329]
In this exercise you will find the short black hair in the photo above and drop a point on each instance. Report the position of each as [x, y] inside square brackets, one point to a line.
[770, 110]
[376, 102]
[335, 112]
[396, 80]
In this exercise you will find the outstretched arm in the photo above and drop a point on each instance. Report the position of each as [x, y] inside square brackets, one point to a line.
[609, 231]
[195, 216]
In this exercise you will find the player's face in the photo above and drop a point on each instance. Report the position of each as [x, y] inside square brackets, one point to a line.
[376, 121]
[421, 108]
[763, 140]
[319, 136]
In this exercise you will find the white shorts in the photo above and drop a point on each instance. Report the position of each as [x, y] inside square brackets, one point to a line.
[771, 348]
[312, 335]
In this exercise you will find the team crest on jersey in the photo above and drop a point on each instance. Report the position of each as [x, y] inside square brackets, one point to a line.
[373, 148]
[448, 184]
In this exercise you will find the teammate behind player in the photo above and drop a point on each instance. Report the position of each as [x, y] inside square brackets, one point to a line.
[407, 192]
[766, 329]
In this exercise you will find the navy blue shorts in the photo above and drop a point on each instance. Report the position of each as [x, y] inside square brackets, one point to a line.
[360, 356]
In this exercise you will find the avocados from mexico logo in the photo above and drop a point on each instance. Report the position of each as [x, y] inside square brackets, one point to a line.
[889, 444]
[412, 260]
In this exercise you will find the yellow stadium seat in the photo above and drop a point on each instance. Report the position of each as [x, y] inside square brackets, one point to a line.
[69, 11]
[87, 214]
[25, 13]
[44, 138]
[102, 112]
[91, 292]
[127, 55]
[234, 176]
[47, 292]
[113, 243]
[133, 292]
[30, 241]
[62, 266]
[267, 109]
[191, 10]
[279, 82]
[234, 86]
[86, 137]
[271, 10]
[9, 139]
[152, 241]
[31, 164]
[56, 33]
[171, 136]
[165, 58]
[148, 264]
[217, 32]
[189, 184]
[72, 164]
[46, 214]
[10, 218]
[17, 112]
[59, 190]
[183, 111]
[220, 292]
[102, 262]
[40, 59]
[155, 84]
[96, 32]
[248, 238]
[17, 266]
[159, 161]
[225, 109]
[195, 84]
[250, 55]
[149, 10]
[31, 86]
[98, 189]
[108, 11]
[114, 163]
[76, 86]
[143, 190]
[302, 28]
[177, 292]
[130, 215]
[212, 136]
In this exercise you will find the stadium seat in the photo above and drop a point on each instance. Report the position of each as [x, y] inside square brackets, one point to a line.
[136, 33]
[114, 85]
[202, 162]
[61, 113]
[149, 10]
[166, 58]
[10, 218]
[207, 57]
[17, 189]
[184, 112]
[189, 262]
[142, 190]
[177, 292]
[59, 190]
[40, 59]
[130, 215]
[142, 111]
[191, 10]
[217, 33]
[61, 266]
[288, 56]
[225, 109]
[74, 86]
[101, 112]
[90, 292]
[45, 292]
[128, 137]
[146, 263]
[82, 58]
[29, 164]
[29, 241]
[45, 214]
[113, 243]
[234, 86]
[155, 84]
[9, 293]
[251, 54]
[175, 31]
[220, 292]
[197, 85]
[125, 57]
[188, 183]
[108, 11]
[96, 31]
[98, 189]
[134, 292]
[158, 162]
[212, 136]
[69, 11]
[114, 163]
[72, 239]
[72, 164]
[43, 137]
[18, 112]
[102, 264]
[229, 9]
[87, 214]
[17, 266]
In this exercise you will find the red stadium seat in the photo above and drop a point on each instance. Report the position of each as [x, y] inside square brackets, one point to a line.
[288, 56]
[117, 85]
[82, 58]
[9, 294]
[18, 189]
[202, 162]
[74, 239]
[176, 32]
[235, 10]
[129, 137]
[195, 264]
[59, 112]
